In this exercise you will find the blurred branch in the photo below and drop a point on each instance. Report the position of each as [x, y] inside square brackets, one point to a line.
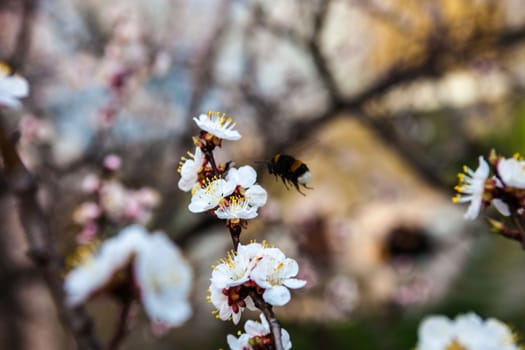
[122, 325]
[267, 310]
[278, 30]
[40, 240]
[206, 59]
[395, 20]
[23, 38]
[438, 51]
[315, 48]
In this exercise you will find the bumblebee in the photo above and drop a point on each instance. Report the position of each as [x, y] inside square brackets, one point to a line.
[290, 170]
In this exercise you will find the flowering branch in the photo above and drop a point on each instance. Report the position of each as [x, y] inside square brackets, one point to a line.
[504, 190]
[39, 236]
[253, 276]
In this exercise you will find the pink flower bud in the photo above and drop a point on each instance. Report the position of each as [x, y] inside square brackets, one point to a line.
[112, 162]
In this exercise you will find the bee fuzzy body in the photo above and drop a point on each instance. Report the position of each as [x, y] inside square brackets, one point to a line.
[290, 170]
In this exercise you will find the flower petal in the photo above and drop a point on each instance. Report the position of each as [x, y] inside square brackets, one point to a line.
[277, 296]
[247, 176]
[294, 283]
[256, 196]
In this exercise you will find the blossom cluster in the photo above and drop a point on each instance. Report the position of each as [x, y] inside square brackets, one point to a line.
[136, 264]
[257, 336]
[504, 189]
[254, 268]
[229, 193]
[112, 202]
[467, 332]
[253, 276]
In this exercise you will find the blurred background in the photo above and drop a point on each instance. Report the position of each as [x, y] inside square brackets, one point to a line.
[383, 100]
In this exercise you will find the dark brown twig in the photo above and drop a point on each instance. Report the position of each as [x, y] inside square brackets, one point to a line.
[267, 310]
[23, 38]
[40, 239]
[519, 227]
[235, 232]
[122, 326]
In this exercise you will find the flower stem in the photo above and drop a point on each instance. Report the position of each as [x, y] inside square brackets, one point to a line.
[266, 309]
[120, 331]
[235, 232]
[209, 157]
[519, 226]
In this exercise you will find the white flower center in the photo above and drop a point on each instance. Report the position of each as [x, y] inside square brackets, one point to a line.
[158, 282]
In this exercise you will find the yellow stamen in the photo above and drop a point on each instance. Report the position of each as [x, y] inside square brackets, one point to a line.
[5, 69]
[455, 346]
[82, 254]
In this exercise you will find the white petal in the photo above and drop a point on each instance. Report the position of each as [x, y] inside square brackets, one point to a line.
[277, 296]
[290, 268]
[9, 101]
[164, 279]
[435, 333]
[256, 196]
[294, 283]
[186, 184]
[236, 317]
[285, 339]
[501, 206]
[473, 209]
[250, 305]
[247, 176]
[254, 328]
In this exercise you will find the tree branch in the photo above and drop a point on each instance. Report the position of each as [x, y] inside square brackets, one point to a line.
[267, 310]
[23, 38]
[40, 240]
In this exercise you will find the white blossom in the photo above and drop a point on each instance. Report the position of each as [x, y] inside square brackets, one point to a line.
[226, 309]
[12, 87]
[219, 125]
[512, 172]
[240, 343]
[236, 209]
[235, 269]
[189, 170]
[471, 187]
[164, 279]
[233, 272]
[253, 264]
[245, 177]
[256, 196]
[209, 197]
[95, 273]
[275, 273]
[253, 330]
[229, 274]
[467, 331]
